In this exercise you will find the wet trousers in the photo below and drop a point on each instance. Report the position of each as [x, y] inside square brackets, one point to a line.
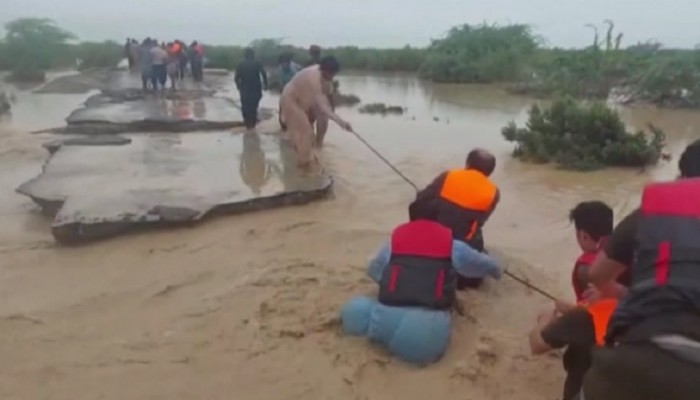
[183, 67]
[159, 75]
[197, 70]
[415, 335]
[640, 371]
[250, 102]
[146, 76]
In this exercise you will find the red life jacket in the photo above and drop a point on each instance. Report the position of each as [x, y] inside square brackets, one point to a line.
[584, 260]
[666, 271]
[420, 272]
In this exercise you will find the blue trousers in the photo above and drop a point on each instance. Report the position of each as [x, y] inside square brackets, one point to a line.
[415, 335]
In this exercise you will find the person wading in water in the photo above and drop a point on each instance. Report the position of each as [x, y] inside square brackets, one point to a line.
[466, 199]
[305, 98]
[251, 80]
[416, 271]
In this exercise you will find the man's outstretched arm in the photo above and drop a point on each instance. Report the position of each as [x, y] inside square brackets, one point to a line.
[472, 264]
[376, 266]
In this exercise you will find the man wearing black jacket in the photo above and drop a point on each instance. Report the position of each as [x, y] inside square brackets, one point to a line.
[251, 80]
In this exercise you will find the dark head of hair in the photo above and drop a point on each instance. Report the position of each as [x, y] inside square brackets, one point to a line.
[593, 217]
[482, 161]
[315, 50]
[169, 44]
[285, 57]
[330, 65]
[249, 53]
[426, 210]
[689, 163]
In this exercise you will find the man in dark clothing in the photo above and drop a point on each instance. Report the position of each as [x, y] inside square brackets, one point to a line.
[251, 80]
[127, 53]
[654, 335]
[314, 56]
[183, 58]
[196, 54]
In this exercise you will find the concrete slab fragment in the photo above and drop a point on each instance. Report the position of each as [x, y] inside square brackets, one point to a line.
[97, 140]
[165, 179]
[216, 110]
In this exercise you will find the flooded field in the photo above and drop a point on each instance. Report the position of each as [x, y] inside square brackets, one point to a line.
[245, 306]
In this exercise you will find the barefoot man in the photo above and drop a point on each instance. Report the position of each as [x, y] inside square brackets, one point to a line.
[306, 97]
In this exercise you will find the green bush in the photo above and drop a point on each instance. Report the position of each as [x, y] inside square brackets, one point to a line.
[480, 54]
[98, 55]
[27, 75]
[582, 137]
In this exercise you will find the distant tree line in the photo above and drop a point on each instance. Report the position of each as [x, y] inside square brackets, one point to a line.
[485, 53]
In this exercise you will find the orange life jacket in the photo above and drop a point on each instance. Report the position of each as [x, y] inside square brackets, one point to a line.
[468, 195]
[600, 312]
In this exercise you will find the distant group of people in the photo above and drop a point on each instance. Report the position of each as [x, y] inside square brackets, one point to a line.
[633, 330]
[158, 61]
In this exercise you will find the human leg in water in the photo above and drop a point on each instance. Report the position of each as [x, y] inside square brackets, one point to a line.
[145, 80]
[300, 131]
[321, 129]
[247, 109]
[255, 107]
[414, 335]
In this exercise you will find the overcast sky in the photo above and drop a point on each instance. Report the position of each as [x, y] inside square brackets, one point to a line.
[376, 23]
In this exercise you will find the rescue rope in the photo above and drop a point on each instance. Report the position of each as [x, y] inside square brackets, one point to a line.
[407, 180]
[529, 285]
[387, 162]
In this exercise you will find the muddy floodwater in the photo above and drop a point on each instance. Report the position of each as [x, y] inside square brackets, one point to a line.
[245, 307]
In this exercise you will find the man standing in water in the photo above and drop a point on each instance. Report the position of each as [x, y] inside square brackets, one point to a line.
[466, 198]
[159, 71]
[197, 61]
[128, 54]
[320, 121]
[286, 69]
[306, 98]
[251, 80]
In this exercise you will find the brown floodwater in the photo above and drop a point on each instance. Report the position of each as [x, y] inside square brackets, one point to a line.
[245, 304]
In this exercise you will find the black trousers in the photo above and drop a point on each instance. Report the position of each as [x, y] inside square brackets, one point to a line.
[197, 70]
[159, 75]
[250, 102]
[640, 371]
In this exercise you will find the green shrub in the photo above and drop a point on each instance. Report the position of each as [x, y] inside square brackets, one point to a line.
[27, 75]
[98, 55]
[583, 137]
[480, 54]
